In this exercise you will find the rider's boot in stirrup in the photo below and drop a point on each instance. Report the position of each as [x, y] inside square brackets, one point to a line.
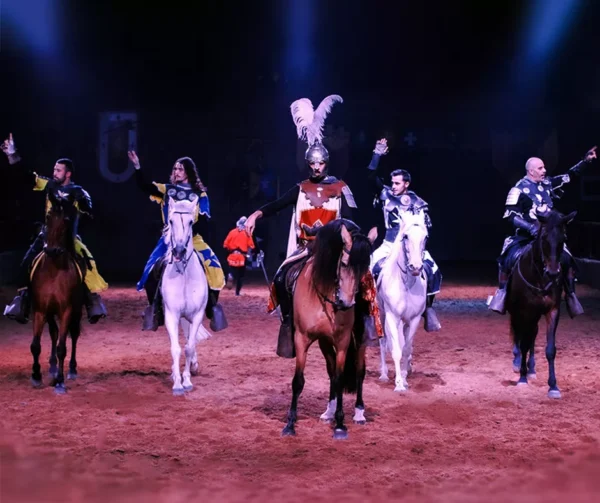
[499, 298]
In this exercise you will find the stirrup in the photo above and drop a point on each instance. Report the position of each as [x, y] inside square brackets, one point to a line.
[285, 340]
[497, 302]
[150, 319]
[218, 321]
[431, 322]
[574, 307]
[96, 309]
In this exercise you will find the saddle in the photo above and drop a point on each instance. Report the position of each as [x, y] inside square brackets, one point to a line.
[80, 264]
[293, 272]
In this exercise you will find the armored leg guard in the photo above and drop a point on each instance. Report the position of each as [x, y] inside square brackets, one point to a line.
[498, 301]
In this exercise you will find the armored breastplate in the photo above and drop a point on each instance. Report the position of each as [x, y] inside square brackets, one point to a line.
[393, 207]
[539, 193]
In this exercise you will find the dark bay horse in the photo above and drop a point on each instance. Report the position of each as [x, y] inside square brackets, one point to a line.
[324, 311]
[57, 293]
[536, 287]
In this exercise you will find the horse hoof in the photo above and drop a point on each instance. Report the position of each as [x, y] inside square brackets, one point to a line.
[362, 422]
[288, 432]
[522, 383]
[60, 389]
[36, 383]
[178, 392]
[188, 388]
[325, 419]
[532, 376]
[398, 389]
[516, 369]
[383, 378]
[194, 371]
[554, 393]
[339, 434]
[71, 376]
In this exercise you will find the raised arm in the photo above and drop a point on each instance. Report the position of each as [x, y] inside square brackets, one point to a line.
[27, 174]
[380, 149]
[560, 180]
[146, 186]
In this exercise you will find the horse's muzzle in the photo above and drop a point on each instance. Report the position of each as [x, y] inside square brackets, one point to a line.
[178, 253]
[415, 271]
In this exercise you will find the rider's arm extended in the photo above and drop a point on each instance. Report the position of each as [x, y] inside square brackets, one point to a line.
[148, 187]
[288, 199]
[374, 180]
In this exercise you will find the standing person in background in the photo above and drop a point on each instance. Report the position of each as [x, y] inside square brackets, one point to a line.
[237, 243]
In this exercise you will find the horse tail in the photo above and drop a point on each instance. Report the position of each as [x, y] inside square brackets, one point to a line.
[350, 374]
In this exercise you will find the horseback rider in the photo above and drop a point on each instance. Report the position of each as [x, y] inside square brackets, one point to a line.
[532, 195]
[63, 187]
[184, 183]
[394, 201]
[317, 201]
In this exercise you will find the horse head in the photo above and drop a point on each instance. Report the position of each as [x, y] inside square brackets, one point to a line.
[413, 237]
[551, 239]
[341, 259]
[61, 219]
[181, 217]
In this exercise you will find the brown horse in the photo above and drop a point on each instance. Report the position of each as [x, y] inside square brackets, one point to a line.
[536, 286]
[57, 292]
[324, 310]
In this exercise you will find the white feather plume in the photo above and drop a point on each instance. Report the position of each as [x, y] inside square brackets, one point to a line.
[310, 122]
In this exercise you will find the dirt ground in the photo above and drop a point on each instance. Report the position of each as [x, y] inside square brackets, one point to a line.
[463, 432]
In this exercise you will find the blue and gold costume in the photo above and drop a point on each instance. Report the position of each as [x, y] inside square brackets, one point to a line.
[161, 193]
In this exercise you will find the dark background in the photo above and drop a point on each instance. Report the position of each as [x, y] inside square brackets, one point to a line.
[482, 86]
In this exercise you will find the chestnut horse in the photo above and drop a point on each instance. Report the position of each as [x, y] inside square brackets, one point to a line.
[324, 311]
[57, 293]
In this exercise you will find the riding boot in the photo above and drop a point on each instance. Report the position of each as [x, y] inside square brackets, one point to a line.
[574, 308]
[498, 300]
[431, 322]
[214, 312]
[94, 305]
[19, 308]
[285, 340]
[154, 316]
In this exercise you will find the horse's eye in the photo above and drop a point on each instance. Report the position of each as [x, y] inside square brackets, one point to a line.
[170, 222]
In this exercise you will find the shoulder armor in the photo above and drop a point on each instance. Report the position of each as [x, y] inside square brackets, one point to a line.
[349, 196]
[513, 196]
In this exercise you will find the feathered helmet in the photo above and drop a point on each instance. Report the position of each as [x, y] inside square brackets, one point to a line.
[309, 125]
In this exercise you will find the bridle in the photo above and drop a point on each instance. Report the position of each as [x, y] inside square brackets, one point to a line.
[335, 303]
[185, 260]
[406, 253]
[542, 274]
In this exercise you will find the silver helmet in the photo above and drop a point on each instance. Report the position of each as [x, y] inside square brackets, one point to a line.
[316, 153]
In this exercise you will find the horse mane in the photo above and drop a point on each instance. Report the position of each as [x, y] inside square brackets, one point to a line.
[183, 206]
[60, 228]
[328, 248]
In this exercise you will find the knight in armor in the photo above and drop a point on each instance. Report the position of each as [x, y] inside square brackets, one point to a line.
[184, 183]
[394, 200]
[316, 201]
[62, 186]
[532, 195]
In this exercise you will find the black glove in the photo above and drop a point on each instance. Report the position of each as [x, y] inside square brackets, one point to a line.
[521, 223]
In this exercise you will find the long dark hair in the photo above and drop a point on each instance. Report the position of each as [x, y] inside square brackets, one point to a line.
[191, 172]
[328, 248]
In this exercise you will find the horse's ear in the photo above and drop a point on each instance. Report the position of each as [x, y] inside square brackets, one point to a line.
[372, 235]
[346, 237]
[569, 218]
[542, 218]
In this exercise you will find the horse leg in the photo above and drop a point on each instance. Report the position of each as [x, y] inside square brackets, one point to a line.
[516, 351]
[329, 354]
[361, 370]
[301, 346]
[396, 337]
[172, 326]
[409, 334]
[61, 351]
[340, 432]
[191, 357]
[36, 348]
[552, 323]
[384, 368]
[531, 362]
[528, 332]
[75, 330]
[53, 327]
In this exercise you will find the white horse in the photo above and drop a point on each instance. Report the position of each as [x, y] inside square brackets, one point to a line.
[184, 290]
[402, 293]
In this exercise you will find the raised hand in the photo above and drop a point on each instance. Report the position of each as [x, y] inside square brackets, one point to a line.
[8, 146]
[134, 159]
[591, 154]
[381, 147]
